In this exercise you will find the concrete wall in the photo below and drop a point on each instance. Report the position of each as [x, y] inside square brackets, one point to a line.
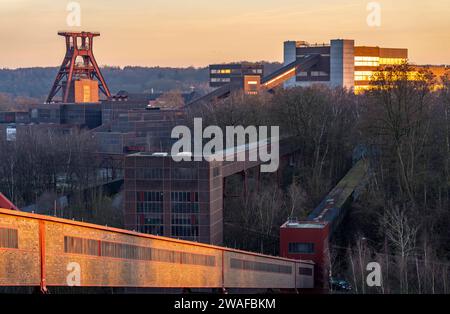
[342, 63]
[289, 56]
[20, 266]
[251, 278]
[108, 271]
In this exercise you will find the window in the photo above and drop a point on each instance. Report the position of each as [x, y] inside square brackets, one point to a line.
[185, 231]
[184, 173]
[260, 266]
[220, 71]
[301, 248]
[9, 238]
[319, 73]
[221, 79]
[363, 75]
[151, 229]
[392, 61]
[184, 202]
[305, 271]
[256, 71]
[149, 207]
[149, 173]
[81, 246]
[129, 251]
[184, 214]
[149, 202]
[367, 61]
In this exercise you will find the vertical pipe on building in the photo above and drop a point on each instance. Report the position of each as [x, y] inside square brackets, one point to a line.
[223, 271]
[42, 255]
[295, 278]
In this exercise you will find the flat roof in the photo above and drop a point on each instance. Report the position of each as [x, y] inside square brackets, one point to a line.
[224, 153]
[304, 225]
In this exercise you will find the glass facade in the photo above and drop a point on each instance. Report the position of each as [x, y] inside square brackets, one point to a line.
[367, 66]
[149, 209]
[184, 214]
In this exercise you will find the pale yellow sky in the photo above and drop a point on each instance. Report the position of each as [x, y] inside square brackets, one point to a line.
[200, 32]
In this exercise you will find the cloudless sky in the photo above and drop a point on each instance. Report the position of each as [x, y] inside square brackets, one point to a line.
[200, 32]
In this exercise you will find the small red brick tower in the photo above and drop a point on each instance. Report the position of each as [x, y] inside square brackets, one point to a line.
[79, 81]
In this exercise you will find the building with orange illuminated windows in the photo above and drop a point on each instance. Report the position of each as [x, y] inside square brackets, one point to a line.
[369, 60]
[340, 63]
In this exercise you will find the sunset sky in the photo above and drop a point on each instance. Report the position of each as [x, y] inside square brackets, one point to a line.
[200, 32]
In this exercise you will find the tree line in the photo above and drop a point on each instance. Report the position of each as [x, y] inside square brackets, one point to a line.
[44, 164]
[22, 84]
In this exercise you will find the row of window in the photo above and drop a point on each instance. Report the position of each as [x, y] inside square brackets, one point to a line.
[175, 196]
[319, 73]
[151, 229]
[183, 208]
[313, 73]
[157, 173]
[365, 58]
[229, 71]
[157, 207]
[184, 173]
[361, 88]
[260, 266]
[256, 71]
[301, 248]
[9, 238]
[221, 79]
[220, 71]
[184, 219]
[376, 61]
[149, 207]
[363, 75]
[185, 231]
[392, 61]
[149, 173]
[150, 196]
[153, 220]
[184, 196]
[367, 61]
[129, 251]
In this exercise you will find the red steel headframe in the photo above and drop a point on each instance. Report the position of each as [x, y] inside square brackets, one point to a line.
[78, 44]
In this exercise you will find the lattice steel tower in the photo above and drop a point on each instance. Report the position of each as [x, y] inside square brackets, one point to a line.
[78, 46]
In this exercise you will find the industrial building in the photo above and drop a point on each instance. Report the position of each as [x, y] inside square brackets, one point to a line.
[221, 74]
[37, 250]
[340, 63]
[309, 239]
[184, 199]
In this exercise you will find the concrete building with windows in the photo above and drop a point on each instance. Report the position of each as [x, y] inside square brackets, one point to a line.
[175, 199]
[340, 63]
[185, 199]
[221, 74]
